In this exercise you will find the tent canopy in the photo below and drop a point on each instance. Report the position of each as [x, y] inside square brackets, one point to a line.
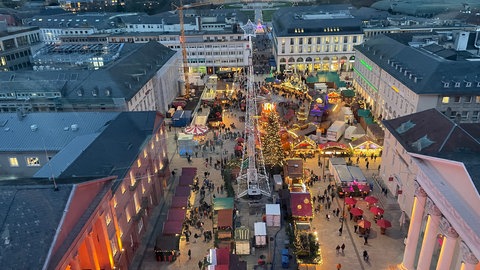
[272, 209]
[222, 203]
[301, 204]
[186, 180]
[172, 227]
[225, 218]
[179, 202]
[260, 228]
[176, 214]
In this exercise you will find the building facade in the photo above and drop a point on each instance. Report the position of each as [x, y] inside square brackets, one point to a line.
[399, 74]
[315, 38]
[429, 164]
[17, 44]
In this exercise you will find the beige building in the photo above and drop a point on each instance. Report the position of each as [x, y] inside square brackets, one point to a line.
[399, 74]
[431, 164]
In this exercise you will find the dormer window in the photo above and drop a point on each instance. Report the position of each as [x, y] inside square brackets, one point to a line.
[468, 84]
[446, 84]
[457, 84]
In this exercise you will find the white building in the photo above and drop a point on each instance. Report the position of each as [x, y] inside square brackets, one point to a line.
[399, 74]
[431, 164]
[315, 38]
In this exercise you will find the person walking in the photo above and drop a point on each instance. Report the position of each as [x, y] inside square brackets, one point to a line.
[343, 248]
[355, 228]
[365, 256]
[339, 266]
[189, 254]
[340, 231]
[200, 264]
[366, 239]
[338, 249]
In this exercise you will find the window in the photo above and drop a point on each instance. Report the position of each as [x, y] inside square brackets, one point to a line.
[464, 115]
[13, 162]
[456, 99]
[136, 202]
[445, 100]
[139, 163]
[124, 189]
[475, 115]
[140, 226]
[113, 245]
[127, 214]
[33, 162]
[467, 99]
[145, 153]
[108, 219]
[477, 99]
[115, 203]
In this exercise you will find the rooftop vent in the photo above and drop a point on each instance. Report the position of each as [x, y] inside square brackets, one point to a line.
[74, 127]
[34, 127]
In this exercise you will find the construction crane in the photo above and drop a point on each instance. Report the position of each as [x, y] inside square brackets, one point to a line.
[180, 9]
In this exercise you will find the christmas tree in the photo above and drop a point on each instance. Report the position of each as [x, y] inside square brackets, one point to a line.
[272, 145]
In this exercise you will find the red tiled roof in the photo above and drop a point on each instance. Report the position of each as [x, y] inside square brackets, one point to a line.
[225, 218]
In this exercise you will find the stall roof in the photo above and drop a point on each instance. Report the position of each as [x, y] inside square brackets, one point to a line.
[176, 214]
[225, 218]
[222, 203]
[365, 142]
[260, 228]
[179, 202]
[242, 234]
[337, 161]
[172, 227]
[186, 180]
[301, 204]
[189, 170]
[167, 243]
[343, 173]
[223, 257]
[182, 191]
[272, 209]
[357, 174]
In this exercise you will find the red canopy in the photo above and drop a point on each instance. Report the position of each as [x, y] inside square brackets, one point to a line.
[238, 148]
[196, 130]
[350, 201]
[179, 202]
[301, 204]
[223, 256]
[371, 199]
[377, 210]
[176, 214]
[225, 218]
[182, 191]
[356, 211]
[383, 223]
[364, 224]
[172, 227]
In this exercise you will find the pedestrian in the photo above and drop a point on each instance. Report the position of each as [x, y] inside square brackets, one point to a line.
[343, 248]
[338, 249]
[340, 231]
[200, 264]
[365, 237]
[355, 228]
[365, 256]
[366, 165]
[339, 266]
[189, 254]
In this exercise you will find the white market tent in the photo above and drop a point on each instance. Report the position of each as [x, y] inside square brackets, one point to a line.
[272, 212]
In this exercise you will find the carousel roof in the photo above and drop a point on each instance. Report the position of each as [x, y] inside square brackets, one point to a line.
[196, 130]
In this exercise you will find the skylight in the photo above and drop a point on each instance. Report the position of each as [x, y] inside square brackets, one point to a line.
[422, 143]
[404, 127]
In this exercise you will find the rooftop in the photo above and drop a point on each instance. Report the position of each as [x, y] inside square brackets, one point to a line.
[431, 133]
[427, 69]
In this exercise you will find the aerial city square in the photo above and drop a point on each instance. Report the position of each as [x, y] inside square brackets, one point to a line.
[240, 135]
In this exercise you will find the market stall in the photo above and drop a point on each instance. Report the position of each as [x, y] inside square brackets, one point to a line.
[272, 213]
[301, 206]
[167, 248]
[186, 144]
[222, 203]
[305, 148]
[172, 227]
[182, 191]
[176, 214]
[179, 202]
[260, 231]
[224, 223]
[242, 241]
[365, 146]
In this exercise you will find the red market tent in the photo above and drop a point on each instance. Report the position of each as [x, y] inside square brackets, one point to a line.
[172, 227]
[377, 210]
[365, 224]
[350, 201]
[179, 202]
[371, 199]
[356, 211]
[176, 214]
[182, 191]
[223, 257]
[301, 204]
[383, 223]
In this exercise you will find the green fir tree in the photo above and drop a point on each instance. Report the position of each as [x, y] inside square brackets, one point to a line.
[271, 144]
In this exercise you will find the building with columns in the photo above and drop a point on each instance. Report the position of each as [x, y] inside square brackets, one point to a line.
[399, 74]
[315, 38]
[89, 206]
[430, 164]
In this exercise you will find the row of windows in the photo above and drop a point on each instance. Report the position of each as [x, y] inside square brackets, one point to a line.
[459, 84]
[465, 115]
[319, 48]
[322, 40]
[458, 99]
[29, 162]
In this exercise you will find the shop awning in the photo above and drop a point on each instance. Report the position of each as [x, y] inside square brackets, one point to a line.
[179, 202]
[301, 204]
[176, 214]
[182, 191]
[222, 203]
[172, 227]
[225, 218]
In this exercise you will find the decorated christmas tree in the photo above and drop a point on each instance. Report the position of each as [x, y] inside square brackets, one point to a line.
[272, 145]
